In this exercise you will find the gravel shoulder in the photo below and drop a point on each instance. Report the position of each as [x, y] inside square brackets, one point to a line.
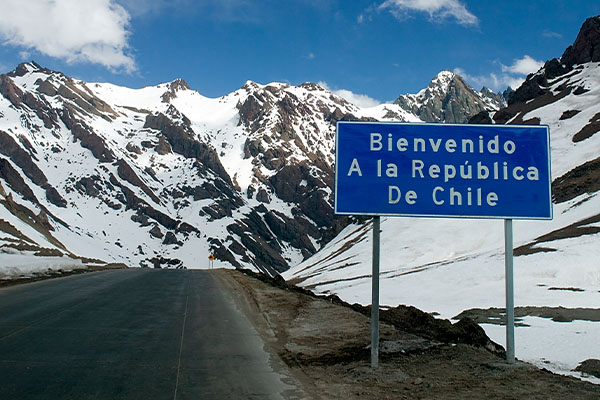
[325, 344]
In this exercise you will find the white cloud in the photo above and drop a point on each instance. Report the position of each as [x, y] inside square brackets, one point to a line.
[438, 10]
[551, 35]
[512, 75]
[139, 8]
[523, 66]
[93, 31]
[360, 100]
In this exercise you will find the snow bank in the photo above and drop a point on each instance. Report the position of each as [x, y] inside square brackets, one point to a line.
[17, 265]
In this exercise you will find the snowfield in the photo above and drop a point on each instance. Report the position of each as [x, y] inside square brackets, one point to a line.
[446, 266]
[22, 265]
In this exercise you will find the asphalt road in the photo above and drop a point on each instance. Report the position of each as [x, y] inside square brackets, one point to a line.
[132, 334]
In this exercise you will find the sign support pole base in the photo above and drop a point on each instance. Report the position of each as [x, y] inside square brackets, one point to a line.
[375, 295]
[510, 293]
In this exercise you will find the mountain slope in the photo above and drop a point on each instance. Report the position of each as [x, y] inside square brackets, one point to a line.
[161, 176]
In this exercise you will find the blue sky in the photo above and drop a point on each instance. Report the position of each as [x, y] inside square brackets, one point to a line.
[374, 48]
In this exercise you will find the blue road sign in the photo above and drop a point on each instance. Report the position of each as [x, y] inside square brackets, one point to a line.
[443, 170]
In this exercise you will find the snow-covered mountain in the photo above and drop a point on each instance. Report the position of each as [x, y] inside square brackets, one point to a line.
[447, 266]
[161, 176]
[448, 98]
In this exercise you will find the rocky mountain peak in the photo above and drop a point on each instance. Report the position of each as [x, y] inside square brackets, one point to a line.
[250, 86]
[179, 84]
[586, 47]
[442, 81]
[448, 98]
[172, 89]
[311, 86]
[487, 91]
[26, 68]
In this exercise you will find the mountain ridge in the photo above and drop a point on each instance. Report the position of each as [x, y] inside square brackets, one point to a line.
[247, 176]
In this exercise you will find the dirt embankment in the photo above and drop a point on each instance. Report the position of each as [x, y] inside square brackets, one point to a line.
[326, 345]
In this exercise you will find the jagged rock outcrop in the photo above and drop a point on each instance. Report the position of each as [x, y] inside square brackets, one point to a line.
[14, 180]
[556, 80]
[128, 174]
[24, 160]
[84, 133]
[448, 98]
[173, 88]
[586, 48]
[182, 141]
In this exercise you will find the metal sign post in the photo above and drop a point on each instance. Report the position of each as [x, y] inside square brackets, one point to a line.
[510, 293]
[375, 295]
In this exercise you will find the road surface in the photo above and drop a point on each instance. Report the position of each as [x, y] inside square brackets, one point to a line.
[133, 334]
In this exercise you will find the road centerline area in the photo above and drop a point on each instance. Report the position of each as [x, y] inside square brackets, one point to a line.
[181, 346]
[129, 334]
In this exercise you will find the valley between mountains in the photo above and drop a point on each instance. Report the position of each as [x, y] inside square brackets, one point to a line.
[93, 174]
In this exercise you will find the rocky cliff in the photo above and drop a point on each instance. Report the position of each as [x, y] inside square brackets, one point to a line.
[448, 98]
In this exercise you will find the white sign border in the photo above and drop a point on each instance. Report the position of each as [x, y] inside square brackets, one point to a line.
[335, 191]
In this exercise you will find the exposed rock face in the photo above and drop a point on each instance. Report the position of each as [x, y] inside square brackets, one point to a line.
[86, 135]
[586, 47]
[448, 98]
[589, 130]
[173, 88]
[10, 91]
[163, 147]
[536, 84]
[590, 367]
[170, 238]
[483, 117]
[181, 139]
[291, 140]
[556, 80]
[20, 99]
[15, 181]
[156, 232]
[127, 173]
[582, 179]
